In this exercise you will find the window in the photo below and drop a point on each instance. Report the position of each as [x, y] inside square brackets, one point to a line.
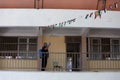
[95, 48]
[104, 48]
[115, 49]
[18, 47]
[95, 43]
[8, 47]
[27, 47]
[105, 44]
[115, 45]
[8, 43]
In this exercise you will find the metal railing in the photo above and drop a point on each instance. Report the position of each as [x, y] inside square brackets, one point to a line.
[104, 56]
[18, 61]
[60, 61]
[107, 61]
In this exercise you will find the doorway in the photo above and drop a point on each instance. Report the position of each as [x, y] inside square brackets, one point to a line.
[73, 51]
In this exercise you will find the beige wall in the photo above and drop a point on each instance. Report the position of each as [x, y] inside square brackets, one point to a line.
[18, 64]
[57, 45]
[104, 65]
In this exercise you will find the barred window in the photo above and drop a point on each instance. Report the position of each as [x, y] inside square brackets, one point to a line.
[18, 47]
[104, 48]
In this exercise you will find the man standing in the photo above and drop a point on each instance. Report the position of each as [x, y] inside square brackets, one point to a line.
[45, 55]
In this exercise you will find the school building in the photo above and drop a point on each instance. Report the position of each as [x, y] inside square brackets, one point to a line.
[85, 31]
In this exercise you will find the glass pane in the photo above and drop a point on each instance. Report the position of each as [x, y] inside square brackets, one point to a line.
[6, 47]
[22, 47]
[95, 56]
[105, 48]
[73, 47]
[95, 41]
[32, 40]
[22, 55]
[115, 42]
[32, 47]
[8, 39]
[115, 56]
[23, 40]
[32, 55]
[96, 48]
[105, 41]
[115, 48]
[115, 45]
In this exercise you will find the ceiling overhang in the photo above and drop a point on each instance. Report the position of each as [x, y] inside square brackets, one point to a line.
[55, 17]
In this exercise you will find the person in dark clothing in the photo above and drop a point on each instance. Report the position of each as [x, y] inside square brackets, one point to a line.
[45, 55]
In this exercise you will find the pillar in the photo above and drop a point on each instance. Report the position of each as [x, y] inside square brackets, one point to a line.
[84, 53]
[39, 46]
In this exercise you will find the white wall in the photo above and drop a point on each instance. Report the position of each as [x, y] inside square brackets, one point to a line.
[114, 33]
[19, 31]
[34, 31]
[45, 17]
[19, 75]
[65, 31]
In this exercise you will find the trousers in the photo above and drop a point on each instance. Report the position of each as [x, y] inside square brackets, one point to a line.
[44, 61]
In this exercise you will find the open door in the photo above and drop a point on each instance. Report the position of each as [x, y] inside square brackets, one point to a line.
[73, 51]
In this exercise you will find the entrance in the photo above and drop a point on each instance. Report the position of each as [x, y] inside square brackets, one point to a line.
[73, 51]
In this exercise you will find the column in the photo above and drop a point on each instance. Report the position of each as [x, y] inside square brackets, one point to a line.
[84, 53]
[40, 41]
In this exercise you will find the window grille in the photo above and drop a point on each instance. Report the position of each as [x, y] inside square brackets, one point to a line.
[104, 48]
[18, 47]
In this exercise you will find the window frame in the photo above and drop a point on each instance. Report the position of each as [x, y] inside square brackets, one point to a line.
[15, 54]
[106, 55]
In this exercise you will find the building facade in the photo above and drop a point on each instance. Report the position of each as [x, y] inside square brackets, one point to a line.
[92, 44]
